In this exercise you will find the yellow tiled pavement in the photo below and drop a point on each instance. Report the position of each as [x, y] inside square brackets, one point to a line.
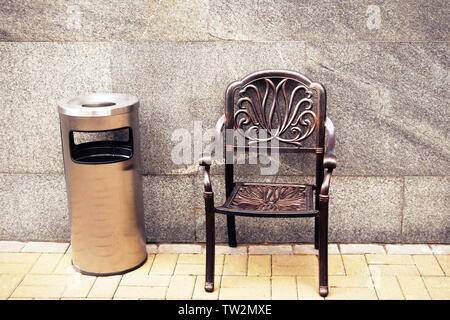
[284, 288]
[34, 275]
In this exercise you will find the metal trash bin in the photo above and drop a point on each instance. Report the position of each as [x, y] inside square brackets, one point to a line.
[100, 140]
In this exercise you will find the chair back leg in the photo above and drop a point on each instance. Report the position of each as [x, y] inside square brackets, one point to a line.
[231, 227]
[316, 233]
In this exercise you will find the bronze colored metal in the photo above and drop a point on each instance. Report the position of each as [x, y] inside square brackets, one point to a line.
[292, 110]
[269, 200]
[275, 111]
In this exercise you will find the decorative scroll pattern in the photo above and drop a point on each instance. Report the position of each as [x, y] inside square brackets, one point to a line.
[270, 198]
[283, 112]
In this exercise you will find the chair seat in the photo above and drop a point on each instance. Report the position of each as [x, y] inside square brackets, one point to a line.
[270, 200]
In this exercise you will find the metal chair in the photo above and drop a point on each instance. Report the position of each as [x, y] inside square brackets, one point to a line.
[292, 110]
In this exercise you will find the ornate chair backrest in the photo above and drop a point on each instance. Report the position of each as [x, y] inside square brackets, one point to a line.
[275, 107]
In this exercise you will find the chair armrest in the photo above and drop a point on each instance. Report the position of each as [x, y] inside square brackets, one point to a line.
[207, 179]
[206, 158]
[329, 159]
[325, 187]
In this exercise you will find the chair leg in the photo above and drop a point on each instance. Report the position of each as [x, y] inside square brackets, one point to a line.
[210, 243]
[323, 246]
[231, 226]
[316, 233]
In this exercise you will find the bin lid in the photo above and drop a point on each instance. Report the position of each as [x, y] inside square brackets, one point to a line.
[98, 105]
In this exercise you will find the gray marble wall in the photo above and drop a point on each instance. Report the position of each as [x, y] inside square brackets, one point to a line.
[384, 63]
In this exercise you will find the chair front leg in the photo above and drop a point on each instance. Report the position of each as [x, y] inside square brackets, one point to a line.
[210, 240]
[323, 245]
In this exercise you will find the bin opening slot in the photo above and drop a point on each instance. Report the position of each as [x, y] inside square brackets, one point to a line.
[100, 147]
[98, 105]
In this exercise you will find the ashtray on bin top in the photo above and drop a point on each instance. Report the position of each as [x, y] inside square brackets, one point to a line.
[100, 138]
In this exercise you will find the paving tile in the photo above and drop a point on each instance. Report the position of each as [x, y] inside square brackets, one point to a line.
[196, 269]
[284, 288]
[15, 268]
[355, 264]
[193, 269]
[194, 264]
[245, 288]
[233, 294]
[333, 249]
[359, 273]
[270, 249]
[305, 249]
[104, 287]
[45, 279]
[393, 270]
[164, 264]
[198, 258]
[440, 249]
[249, 282]
[226, 249]
[259, 265]
[285, 265]
[16, 257]
[408, 249]
[308, 288]
[389, 259]
[439, 293]
[351, 281]
[187, 258]
[335, 265]
[361, 248]
[145, 280]
[179, 248]
[46, 263]
[9, 282]
[50, 291]
[199, 289]
[444, 262]
[145, 268]
[45, 247]
[428, 265]
[65, 265]
[140, 292]
[387, 288]
[437, 282]
[413, 288]
[309, 249]
[151, 248]
[11, 246]
[15, 263]
[78, 286]
[181, 287]
[352, 294]
[235, 265]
